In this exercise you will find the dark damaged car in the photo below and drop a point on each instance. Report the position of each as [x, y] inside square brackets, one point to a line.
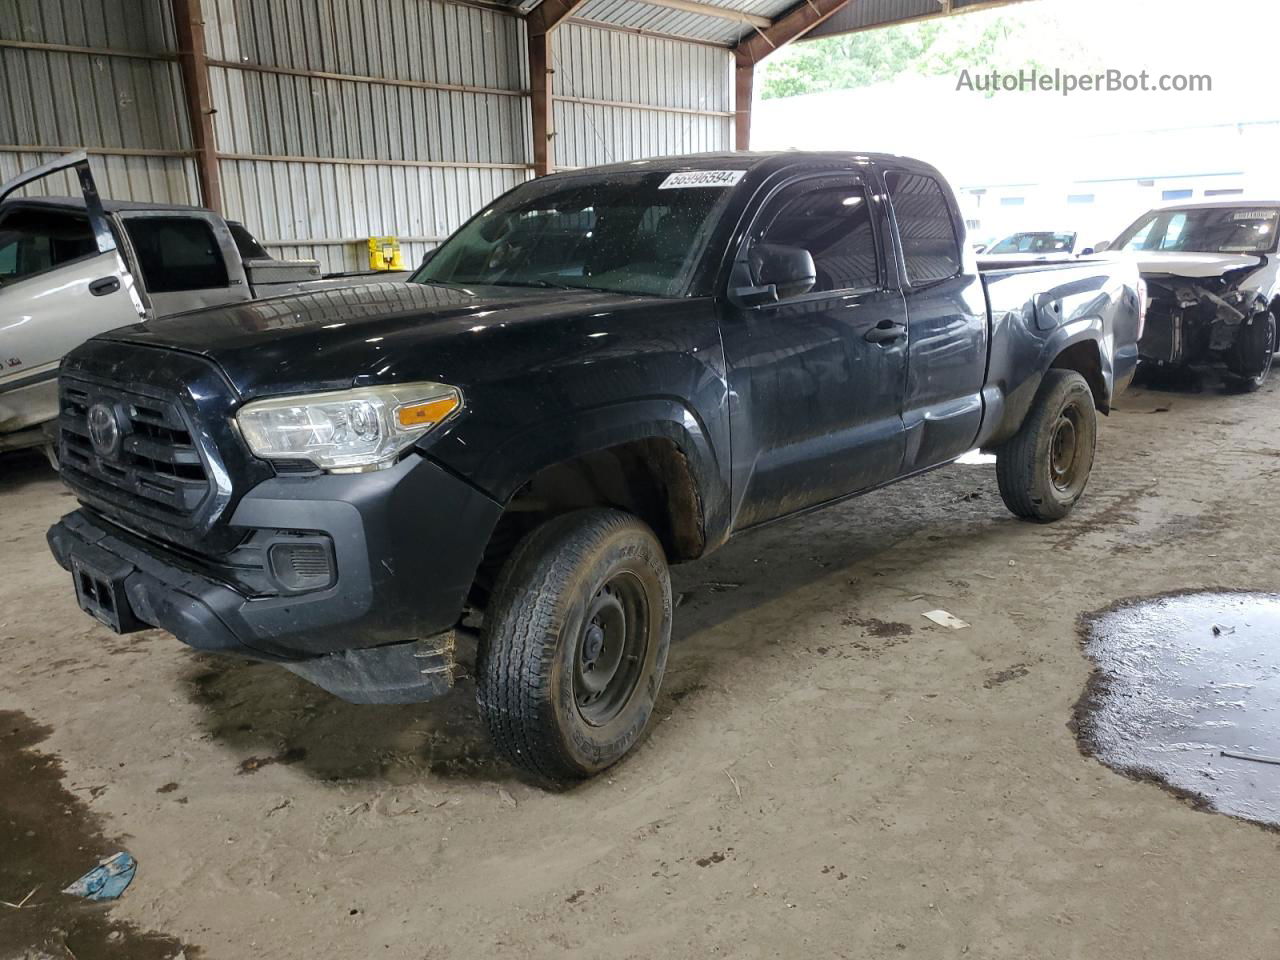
[1213, 283]
[602, 373]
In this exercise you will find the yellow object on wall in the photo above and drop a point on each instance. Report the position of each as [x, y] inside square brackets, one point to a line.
[384, 254]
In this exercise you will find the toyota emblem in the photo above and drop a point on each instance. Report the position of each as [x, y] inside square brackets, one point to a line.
[104, 430]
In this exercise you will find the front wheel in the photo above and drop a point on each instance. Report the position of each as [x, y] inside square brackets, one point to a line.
[1043, 469]
[1250, 358]
[576, 644]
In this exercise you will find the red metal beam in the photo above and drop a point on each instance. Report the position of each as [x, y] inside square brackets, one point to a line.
[540, 23]
[549, 14]
[540, 102]
[743, 84]
[792, 25]
[188, 19]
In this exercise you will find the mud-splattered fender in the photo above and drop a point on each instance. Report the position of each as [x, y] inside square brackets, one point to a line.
[523, 455]
[1088, 305]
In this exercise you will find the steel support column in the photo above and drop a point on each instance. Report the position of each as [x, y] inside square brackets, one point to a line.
[744, 78]
[541, 24]
[188, 21]
[540, 102]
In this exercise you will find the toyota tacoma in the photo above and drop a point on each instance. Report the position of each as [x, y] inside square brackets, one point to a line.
[602, 373]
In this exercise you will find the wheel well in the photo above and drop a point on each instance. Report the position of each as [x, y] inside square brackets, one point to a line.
[650, 478]
[1084, 359]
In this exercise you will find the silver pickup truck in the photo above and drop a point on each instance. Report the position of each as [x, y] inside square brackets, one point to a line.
[73, 267]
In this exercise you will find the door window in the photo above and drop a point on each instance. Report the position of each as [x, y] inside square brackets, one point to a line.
[33, 241]
[177, 254]
[831, 220]
[1173, 232]
[929, 244]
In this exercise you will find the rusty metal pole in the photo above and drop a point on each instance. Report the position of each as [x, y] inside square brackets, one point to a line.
[540, 25]
[744, 73]
[188, 19]
[540, 87]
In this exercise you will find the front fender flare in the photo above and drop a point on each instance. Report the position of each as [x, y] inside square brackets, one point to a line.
[518, 459]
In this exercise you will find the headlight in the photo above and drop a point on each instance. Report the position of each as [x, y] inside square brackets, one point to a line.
[346, 429]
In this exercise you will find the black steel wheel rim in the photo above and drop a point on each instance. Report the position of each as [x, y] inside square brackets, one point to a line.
[1065, 461]
[611, 649]
[1268, 353]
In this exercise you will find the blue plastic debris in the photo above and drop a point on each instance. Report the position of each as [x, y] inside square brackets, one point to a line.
[107, 880]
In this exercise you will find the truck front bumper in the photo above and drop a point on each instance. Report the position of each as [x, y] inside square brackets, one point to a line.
[405, 545]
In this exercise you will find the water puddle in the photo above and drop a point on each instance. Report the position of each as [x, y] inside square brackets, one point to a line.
[48, 838]
[1186, 694]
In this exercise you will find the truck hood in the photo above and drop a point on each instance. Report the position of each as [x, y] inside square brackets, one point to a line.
[369, 333]
[1193, 266]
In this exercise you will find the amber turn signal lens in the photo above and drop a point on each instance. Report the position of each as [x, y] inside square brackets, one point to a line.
[428, 412]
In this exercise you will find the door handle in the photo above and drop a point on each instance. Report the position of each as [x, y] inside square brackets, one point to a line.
[104, 286]
[886, 331]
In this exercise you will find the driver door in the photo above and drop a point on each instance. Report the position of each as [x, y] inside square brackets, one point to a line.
[818, 377]
[62, 281]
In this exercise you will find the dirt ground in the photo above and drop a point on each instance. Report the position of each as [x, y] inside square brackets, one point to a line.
[831, 775]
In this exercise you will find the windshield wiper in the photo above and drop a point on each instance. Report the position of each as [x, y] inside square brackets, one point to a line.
[532, 282]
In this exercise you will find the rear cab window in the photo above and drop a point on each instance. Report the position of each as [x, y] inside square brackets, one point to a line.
[177, 254]
[930, 245]
[246, 242]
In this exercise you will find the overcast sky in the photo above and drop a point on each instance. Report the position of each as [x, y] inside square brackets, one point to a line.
[977, 138]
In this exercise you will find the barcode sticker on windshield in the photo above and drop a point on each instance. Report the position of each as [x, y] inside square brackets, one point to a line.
[1254, 215]
[701, 178]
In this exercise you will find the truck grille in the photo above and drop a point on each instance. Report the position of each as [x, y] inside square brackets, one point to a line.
[139, 451]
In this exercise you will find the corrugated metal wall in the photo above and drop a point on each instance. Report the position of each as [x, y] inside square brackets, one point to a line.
[336, 120]
[339, 119]
[621, 96]
[99, 75]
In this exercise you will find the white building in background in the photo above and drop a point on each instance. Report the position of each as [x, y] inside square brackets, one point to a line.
[1088, 163]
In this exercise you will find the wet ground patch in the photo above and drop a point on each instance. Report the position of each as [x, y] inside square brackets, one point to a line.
[48, 838]
[1187, 694]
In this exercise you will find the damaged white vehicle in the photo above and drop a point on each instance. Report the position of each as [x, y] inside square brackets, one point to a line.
[1212, 283]
[74, 267]
[1033, 246]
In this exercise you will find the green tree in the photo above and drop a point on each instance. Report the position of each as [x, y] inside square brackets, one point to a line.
[932, 48]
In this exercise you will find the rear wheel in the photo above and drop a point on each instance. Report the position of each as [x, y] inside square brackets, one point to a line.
[1249, 360]
[1043, 469]
[576, 644]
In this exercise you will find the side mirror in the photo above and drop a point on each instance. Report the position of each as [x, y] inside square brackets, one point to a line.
[1087, 251]
[778, 272]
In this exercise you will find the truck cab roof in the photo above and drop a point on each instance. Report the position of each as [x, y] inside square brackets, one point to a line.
[110, 206]
[763, 161]
[1218, 204]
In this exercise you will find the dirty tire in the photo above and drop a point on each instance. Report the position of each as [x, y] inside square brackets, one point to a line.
[1250, 358]
[581, 589]
[1041, 479]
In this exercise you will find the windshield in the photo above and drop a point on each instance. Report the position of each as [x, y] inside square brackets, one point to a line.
[1046, 242]
[638, 233]
[1209, 230]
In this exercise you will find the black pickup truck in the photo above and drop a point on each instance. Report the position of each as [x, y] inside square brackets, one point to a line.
[603, 372]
